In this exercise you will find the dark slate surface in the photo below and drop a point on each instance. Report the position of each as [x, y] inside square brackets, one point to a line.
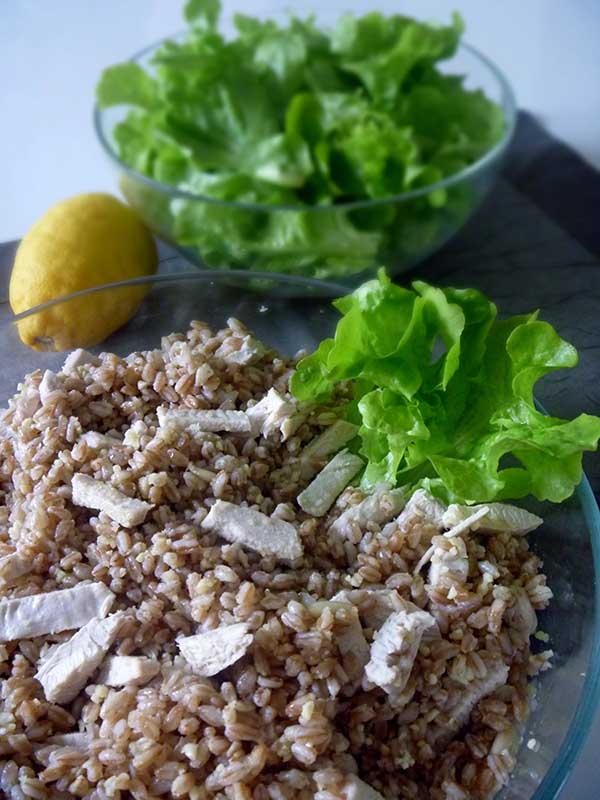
[535, 243]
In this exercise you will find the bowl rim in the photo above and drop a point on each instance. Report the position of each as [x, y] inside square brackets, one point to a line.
[323, 289]
[589, 699]
[508, 104]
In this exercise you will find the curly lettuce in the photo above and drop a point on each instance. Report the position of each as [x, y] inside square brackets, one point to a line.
[444, 393]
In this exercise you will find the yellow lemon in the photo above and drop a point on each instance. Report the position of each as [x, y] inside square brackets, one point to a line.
[82, 242]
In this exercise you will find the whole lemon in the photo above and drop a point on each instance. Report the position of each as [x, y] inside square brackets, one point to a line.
[85, 241]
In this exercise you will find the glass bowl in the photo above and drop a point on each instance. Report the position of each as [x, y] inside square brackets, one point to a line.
[338, 242]
[566, 697]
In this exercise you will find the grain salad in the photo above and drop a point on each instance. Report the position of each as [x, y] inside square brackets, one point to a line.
[174, 623]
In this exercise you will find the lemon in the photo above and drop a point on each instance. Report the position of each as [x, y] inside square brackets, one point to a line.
[85, 241]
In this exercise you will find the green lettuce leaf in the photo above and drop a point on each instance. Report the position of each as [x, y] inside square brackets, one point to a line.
[444, 393]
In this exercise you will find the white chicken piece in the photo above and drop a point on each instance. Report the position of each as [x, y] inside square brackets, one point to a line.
[466, 524]
[274, 414]
[210, 652]
[96, 440]
[374, 605]
[380, 506]
[194, 422]
[395, 647]
[500, 518]
[253, 529]
[48, 385]
[127, 671]
[466, 701]
[449, 562]
[421, 506]
[521, 615]
[348, 634]
[356, 789]
[101, 496]
[249, 352]
[53, 612]
[65, 671]
[325, 444]
[79, 358]
[13, 567]
[323, 491]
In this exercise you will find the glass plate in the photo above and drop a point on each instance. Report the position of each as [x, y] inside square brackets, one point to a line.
[565, 697]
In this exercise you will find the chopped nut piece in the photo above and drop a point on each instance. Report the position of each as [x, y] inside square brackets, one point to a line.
[210, 652]
[65, 671]
[321, 494]
[90, 493]
[267, 535]
[53, 612]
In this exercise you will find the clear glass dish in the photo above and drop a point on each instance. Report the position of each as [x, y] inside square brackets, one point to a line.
[565, 697]
[420, 221]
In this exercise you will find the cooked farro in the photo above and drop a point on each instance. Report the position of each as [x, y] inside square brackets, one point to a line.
[295, 715]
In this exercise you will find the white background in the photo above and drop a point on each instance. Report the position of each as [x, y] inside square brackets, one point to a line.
[52, 51]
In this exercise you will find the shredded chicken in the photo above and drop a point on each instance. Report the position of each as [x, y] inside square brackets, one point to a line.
[249, 352]
[443, 729]
[97, 495]
[275, 414]
[378, 507]
[96, 441]
[421, 506]
[13, 567]
[79, 358]
[53, 612]
[48, 385]
[195, 422]
[210, 652]
[521, 615]
[394, 649]
[348, 635]
[500, 518]
[127, 671]
[65, 671]
[253, 529]
[449, 562]
[374, 605]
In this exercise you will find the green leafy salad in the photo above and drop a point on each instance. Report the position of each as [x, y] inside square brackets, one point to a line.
[443, 394]
[292, 115]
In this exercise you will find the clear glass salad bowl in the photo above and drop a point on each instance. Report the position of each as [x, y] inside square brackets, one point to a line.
[342, 242]
[566, 697]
